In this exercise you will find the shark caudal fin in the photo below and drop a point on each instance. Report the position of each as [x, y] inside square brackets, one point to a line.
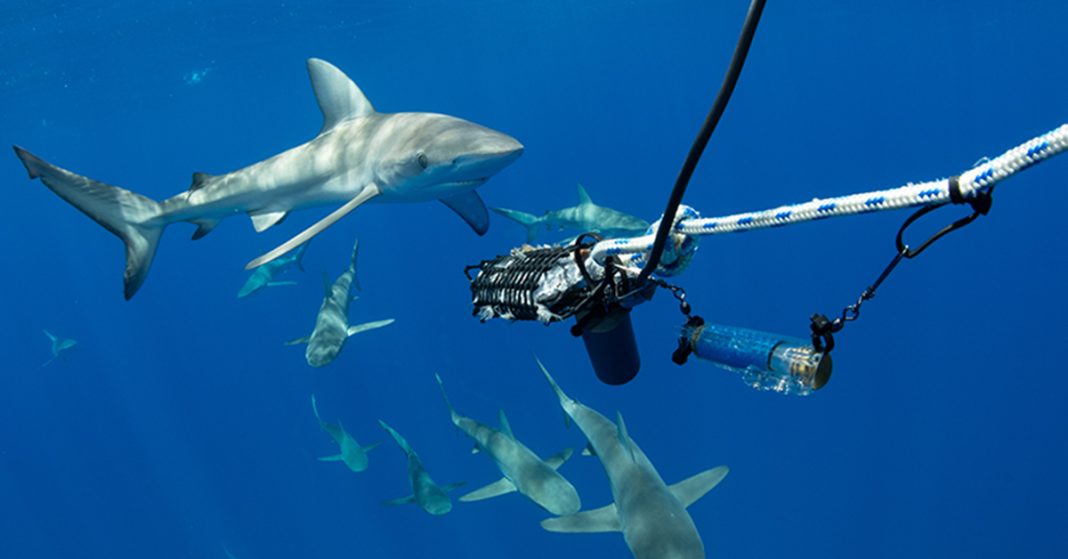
[130, 216]
[530, 221]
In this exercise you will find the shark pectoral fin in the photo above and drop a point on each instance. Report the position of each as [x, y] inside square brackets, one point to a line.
[298, 341]
[204, 226]
[693, 488]
[604, 519]
[502, 420]
[500, 487]
[339, 98]
[280, 283]
[370, 447]
[367, 193]
[410, 499]
[558, 459]
[261, 221]
[453, 486]
[353, 330]
[583, 197]
[50, 335]
[334, 458]
[469, 206]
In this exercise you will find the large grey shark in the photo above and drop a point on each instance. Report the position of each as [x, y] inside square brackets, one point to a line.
[584, 217]
[332, 323]
[358, 156]
[263, 276]
[59, 346]
[351, 453]
[523, 471]
[651, 514]
[431, 497]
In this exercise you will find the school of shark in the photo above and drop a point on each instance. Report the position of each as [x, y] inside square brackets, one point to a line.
[362, 156]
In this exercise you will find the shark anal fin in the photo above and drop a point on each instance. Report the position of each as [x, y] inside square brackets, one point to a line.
[261, 221]
[353, 330]
[558, 459]
[334, 458]
[693, 488]
[604, 519]
[410, 499]
[368, 192]
[500, 487]
[204, 226]
[469, 206]
[339, 98]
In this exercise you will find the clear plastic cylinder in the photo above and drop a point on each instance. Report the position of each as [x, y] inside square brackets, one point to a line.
[765, 361]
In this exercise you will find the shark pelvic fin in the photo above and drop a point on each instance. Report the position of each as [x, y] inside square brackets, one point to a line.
[470, 207]
[135, 219]
[558, 459]
[689, 490]
[261, 221]
[584, 198]
[500, 487]
[353, 330]
[604, 519]
[339, 98]
[367, 193]
[589, 450]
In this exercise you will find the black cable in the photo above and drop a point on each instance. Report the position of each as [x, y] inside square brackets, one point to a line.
[741, 50]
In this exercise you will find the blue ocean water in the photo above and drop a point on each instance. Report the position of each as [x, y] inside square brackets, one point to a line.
[181, 425]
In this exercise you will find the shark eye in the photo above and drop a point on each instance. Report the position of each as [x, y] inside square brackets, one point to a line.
[422, 160]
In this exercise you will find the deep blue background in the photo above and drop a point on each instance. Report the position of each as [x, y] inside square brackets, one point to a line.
[181, 425]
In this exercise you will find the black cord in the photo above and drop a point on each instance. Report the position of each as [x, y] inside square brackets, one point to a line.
[741, 50]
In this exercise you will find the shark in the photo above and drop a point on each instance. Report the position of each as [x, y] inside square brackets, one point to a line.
[523, 470]
[59, 346]
[359, 155]
[352, 454]
[263, 276]
[651, 514]
[332, 323]
[430, 497]
[584, 217]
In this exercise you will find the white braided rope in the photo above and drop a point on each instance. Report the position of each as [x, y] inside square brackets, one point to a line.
[980, 178]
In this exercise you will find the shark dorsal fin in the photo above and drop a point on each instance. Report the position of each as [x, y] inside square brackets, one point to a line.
[624, 437]
[339, 98]
[583, 197]
[502, 420]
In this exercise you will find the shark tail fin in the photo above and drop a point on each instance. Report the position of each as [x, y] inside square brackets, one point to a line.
[452, 411]
[530, 221]
[352, 264]
[133, 218]
[401, 442]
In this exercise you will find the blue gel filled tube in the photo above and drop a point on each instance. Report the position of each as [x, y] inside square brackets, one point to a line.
[765, 361]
